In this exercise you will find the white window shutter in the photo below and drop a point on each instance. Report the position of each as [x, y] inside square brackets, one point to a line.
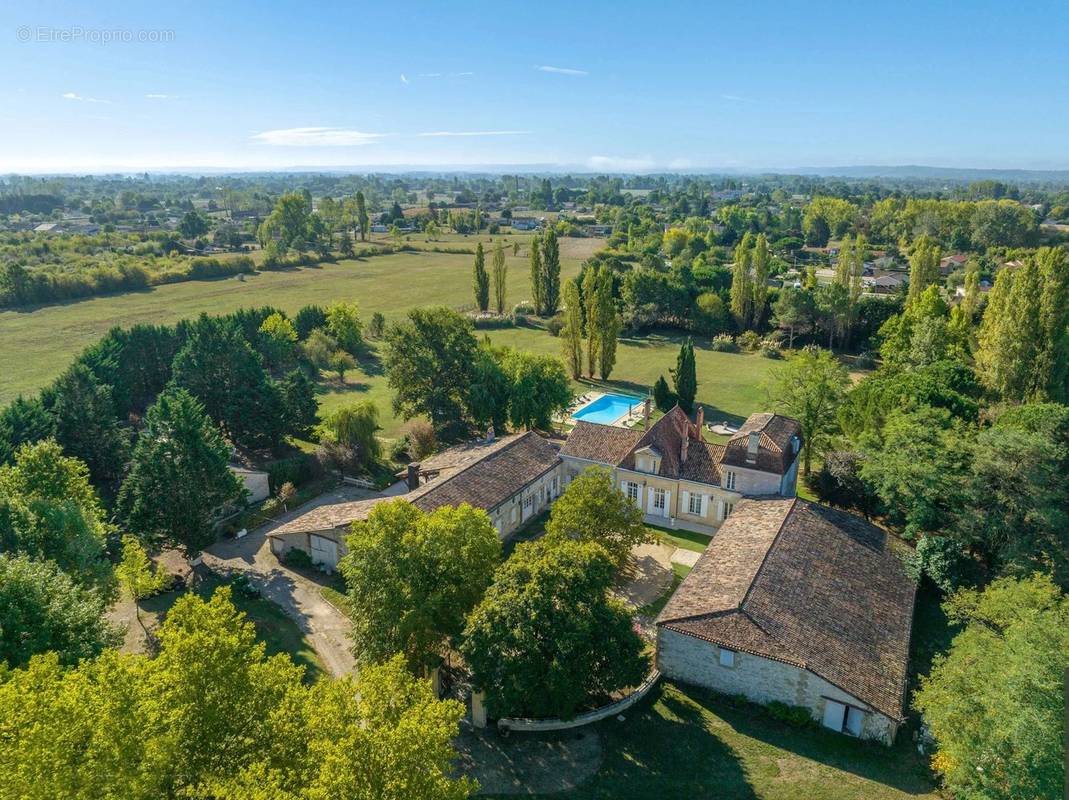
[705, 505]
[668, 503]
[649, 501]
[686, 502]
[720, 509]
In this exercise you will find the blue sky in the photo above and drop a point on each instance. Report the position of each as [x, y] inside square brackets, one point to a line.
[607, 86]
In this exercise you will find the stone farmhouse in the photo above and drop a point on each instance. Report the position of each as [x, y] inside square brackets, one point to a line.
[791, 601]
[799, 603]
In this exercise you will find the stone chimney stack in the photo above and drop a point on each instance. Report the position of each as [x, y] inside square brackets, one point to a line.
[752, 446]
[646, 414]
[699, 423]
[412, 478]
[683, 450]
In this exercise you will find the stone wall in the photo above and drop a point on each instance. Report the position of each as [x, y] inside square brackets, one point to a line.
[692, 660]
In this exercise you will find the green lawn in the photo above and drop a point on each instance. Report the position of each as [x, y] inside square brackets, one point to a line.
[688, 540]
[688, 743]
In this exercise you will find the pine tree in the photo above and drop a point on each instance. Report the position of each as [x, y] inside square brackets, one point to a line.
[742, 283]
[550, 273]
[761, 259]
[178, 475]
[572, 332]
[923, 266]
[499, 275]
[536, 275]
[685, 378]
[481, 279]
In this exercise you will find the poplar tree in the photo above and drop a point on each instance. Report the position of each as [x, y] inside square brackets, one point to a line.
[481, 279]
[761, 258]
[590, 288]
[572, 332]
[536, 275]
[742, 283]
[362, 217]
[608, 323]
[550, 273]
[498, 276]
[923, 266]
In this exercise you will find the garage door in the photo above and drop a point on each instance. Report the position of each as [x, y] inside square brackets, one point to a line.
[324, 551]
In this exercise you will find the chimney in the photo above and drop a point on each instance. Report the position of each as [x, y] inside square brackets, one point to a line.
[646, 414]
[752, 446]
[699, 423]
[683, 450]
[412, 478]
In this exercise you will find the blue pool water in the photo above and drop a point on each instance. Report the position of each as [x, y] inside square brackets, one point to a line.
[608, 408]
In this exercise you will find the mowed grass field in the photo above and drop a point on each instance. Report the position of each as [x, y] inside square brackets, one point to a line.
[37, 345]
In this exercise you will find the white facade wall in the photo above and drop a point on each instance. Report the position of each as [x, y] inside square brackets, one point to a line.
[762, 680]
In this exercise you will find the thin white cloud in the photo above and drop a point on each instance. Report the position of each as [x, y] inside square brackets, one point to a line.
[562, 70]
[432, 75]
[736, 98]
[81, 98]
[316, 137]
[474, 133]
[158, 96]
[617, 164]
[404, 79]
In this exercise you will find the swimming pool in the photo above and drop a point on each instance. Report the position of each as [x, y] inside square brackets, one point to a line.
[608, 408]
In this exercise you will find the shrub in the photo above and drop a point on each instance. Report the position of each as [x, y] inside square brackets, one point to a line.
[723, 343]
[401, 450]
[796, 716]
[297, 470]
[770, 347]
[555, 325]
[422, 438]
[749, 340]
[298, 559]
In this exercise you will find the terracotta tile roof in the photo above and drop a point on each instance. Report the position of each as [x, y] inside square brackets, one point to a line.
[482, 474]
[605, 444]
[776, 453]
[807, 585]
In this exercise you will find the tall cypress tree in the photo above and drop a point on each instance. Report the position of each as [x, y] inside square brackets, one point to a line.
[536, 275]
[481, 279]
[550, 273]
[685, 376]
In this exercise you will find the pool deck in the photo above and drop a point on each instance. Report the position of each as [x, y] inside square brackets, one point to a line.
[592, 397]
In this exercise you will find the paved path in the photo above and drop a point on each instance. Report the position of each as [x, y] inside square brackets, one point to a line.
[299, 596]
[687, 558]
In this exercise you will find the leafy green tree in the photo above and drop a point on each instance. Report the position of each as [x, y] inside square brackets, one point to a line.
[354, 426]
[538, 388]
[178, 476]
[793, 309]
[593, 509]
[499, 276]
[343, 323]
[994, 702]
[341, 362]
[481, 279]
[212, 716]
[277, 341]
[923, 266]
[308, 319]
[537, 277]
[43, 609]
[920, 332]
[550, 273]
[86, 425]
[809, 387]
[299, 403]
[319, 348]
[23, 421]
[490, 389]
[589, 284]
[547, 637]
[219, 368]
[742, 283]
[603, 323]
[917, 466]
[429, 361]
[685, 377]
[663, 397]
[571, 335]
[1023, 351]
[290, 222]
[50, 511]
[192, 225]
[136, 575]
[413, 577]
[816, 229]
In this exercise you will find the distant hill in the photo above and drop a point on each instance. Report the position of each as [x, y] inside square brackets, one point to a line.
[937, 173]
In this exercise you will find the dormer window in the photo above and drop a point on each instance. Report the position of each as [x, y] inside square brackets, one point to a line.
[753, 445]
[729, 480]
